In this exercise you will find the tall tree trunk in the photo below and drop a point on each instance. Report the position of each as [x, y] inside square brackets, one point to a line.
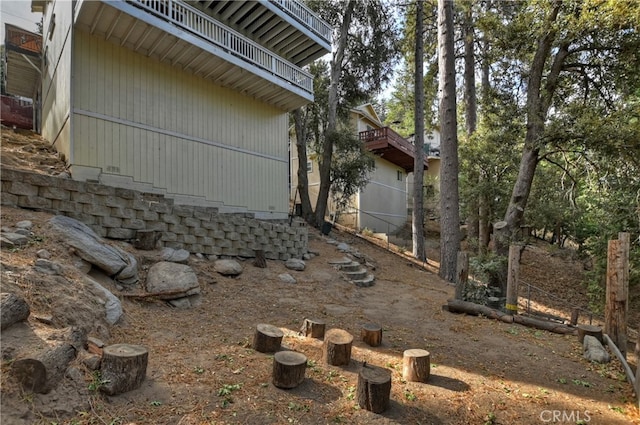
[471, 115]
[417, 225]
[332, 122]
[538, 102]
[484, 205]
[450, 214]
[303, 177]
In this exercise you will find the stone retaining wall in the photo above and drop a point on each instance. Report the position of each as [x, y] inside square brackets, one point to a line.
[118, 213]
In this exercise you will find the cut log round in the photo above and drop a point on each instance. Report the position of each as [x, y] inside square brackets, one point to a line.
[371, 334]
[260, 260]
[267, 338]
[13, 309]
[374, 388]
[336, 349]
[123, 368]
[288, 369]
[146, 240]
[595, 331]
[416, 365]
[41, 372]
[313, 328]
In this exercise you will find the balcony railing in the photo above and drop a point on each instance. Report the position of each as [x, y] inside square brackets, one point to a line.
[198, 23]
[305, 15]
[387, 135]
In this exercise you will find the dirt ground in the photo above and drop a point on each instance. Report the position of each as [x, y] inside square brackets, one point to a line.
[202, 369]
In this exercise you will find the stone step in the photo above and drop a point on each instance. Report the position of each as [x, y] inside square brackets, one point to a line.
[354, 266]
[357, 275]
[366, 282]
[341, 261]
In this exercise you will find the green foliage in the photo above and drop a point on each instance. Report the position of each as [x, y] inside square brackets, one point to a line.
[97, 381]
[489, 268]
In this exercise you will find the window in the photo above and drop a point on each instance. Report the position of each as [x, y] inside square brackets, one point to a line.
[309, 167]
[400, 175]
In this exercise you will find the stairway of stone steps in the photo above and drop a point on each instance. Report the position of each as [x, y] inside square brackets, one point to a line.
[354, 272]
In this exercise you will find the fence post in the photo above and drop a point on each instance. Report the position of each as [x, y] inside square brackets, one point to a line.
[462, 273]
[616, 307]
[512, 279]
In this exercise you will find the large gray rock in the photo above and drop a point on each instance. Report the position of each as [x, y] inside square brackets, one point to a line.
[594, 351]
[90, 247]
[175, 255]
[295, 264]
[227, 267]
[286, 278]
[169, 281]
[112, 304]
[14, 239]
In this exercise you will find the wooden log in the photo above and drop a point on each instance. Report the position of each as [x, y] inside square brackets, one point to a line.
[13, 309]
[41, 372]
[260, 260]
[617, 291]
[336, 349]
[416, 365]
[288, 369]
[313, 328]
[545, 325]
[123, 368]
[595, 331]
[512, 279]
[374, 388]
[462, 274]
[371, 334]
[267, 338]
[146, 240]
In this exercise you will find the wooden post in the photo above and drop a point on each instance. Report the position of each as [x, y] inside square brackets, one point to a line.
[146, 240]
[123, 368]
[374, 388]
[575, 314]
[288, 369]
[313, 328]
[512, 279]
[260, 260]
[617, 291]
[371, 334]
[416, 365]
[13, 309]
[267, 338]
[637, 386]
[462, 274]
[500, 238]
[336, 349]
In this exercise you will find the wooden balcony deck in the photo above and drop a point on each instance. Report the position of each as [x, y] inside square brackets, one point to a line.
[389, 145]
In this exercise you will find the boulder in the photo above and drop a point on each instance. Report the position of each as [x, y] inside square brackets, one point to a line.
[343, 247]
[90, 247]
[295, 264]
[594, 350]
[112, 305]
[24, 224]
[170, 281]
[14, 239]
[227, 267]
[175, 255]
[47, 267]
[286, 278]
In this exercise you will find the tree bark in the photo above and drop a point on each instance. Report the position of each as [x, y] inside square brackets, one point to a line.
[313, 328]
[336, 349]
[43, 371]
[374, 388]
[416, 365]
[617, 291]
[13, 309]
[303, 176]
[288, 369]
[462, 274]
[123, 368]
[594, 331]
[267, 338]
[146, 240]
[371, 334]
[417, 212]
[260, 260]
[449, 204]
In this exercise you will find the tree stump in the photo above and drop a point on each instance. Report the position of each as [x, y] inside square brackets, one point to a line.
[13, 309]
[313, 328]
[288, 369]
[260, 260]
[41, 372]
[595, 331]
[337, 347]
[416, 365]
[371, 334]
[123, 368]
[575, 313]
[146, 240]
[374, 388]
[267, 338]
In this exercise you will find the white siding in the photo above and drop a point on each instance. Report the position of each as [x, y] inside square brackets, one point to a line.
[383, 202]
[56, 76]
[181, 134]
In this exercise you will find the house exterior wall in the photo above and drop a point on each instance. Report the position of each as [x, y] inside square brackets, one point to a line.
[56, 75]
[174, 132]
[383, 202]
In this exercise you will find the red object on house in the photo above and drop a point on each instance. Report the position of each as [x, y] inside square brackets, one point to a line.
[16, 112]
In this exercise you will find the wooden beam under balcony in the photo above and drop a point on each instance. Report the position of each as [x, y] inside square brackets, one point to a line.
[389, 145]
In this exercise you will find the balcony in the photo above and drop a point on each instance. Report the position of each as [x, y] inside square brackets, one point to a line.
[392, 147]
[178, 34]
[22, 55]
